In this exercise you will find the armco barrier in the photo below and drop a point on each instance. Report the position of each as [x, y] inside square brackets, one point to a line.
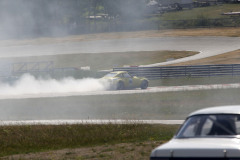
[183, 71]
[28, 67]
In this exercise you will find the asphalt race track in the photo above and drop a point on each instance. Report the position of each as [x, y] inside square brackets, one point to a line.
[43, 106]
[68, 108]
[119, 92]
[208, 46]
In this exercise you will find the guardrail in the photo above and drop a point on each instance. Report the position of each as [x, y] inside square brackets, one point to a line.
[183, 71]
[27, 67]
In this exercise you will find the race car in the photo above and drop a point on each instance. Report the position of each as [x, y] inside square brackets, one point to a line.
[123, 80]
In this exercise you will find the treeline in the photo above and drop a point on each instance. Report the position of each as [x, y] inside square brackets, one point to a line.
[63, 16]
[36, 18]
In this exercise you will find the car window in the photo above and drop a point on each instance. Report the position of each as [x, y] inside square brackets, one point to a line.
[190, 127]
[126, 75]
[207, 126]
[238, 125]
[110, 75]
[210, 125]
[120, 75]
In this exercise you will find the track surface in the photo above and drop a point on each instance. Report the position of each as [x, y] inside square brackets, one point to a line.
[148, 90]
[208, 46]
[71, 108]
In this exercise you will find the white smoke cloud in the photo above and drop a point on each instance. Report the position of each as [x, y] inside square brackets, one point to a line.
[28, 84]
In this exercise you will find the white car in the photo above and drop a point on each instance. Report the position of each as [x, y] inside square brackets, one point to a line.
[211, 133]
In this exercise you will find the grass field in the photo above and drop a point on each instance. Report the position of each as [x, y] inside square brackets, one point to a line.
[211, 12]
[25, 139]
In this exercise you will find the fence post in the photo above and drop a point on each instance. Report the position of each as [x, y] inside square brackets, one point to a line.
[209, 71]
[185, 71]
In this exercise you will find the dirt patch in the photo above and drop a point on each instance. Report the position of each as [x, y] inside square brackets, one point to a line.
[133, 151]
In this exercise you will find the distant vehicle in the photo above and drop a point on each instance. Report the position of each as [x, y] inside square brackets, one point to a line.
[176, 4]
[123, 80]
[232, 13]
[230, 1]
[162, 6]
[212, 133]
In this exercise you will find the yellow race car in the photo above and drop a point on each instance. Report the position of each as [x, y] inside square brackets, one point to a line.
[123, 80]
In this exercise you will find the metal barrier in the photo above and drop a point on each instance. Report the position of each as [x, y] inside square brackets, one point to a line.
[28, 67]
[183, 71]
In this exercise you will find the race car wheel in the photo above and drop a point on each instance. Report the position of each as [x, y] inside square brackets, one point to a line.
[120, 85]
[144, 84]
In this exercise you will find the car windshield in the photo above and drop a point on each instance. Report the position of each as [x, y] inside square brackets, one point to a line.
[210, 125]
[110, 75]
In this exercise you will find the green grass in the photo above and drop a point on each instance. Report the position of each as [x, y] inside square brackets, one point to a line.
[26, 139]
[211, 12]
[197, 17]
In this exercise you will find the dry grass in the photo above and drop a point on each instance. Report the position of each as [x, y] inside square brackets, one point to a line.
[225, 58]
[121, 151]
[37, 138]
[229, 32]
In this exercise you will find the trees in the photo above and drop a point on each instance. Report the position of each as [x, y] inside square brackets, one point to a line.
[48, 16]
[126, 9]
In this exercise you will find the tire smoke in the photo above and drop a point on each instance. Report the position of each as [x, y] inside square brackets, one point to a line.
[28, 84]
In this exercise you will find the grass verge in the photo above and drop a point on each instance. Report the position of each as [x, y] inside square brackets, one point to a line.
[25, 139]
[210, 12]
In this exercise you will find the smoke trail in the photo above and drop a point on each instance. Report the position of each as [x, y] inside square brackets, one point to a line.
[28, 84]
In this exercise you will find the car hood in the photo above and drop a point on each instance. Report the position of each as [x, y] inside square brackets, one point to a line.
[109, 78]
[199, 147]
